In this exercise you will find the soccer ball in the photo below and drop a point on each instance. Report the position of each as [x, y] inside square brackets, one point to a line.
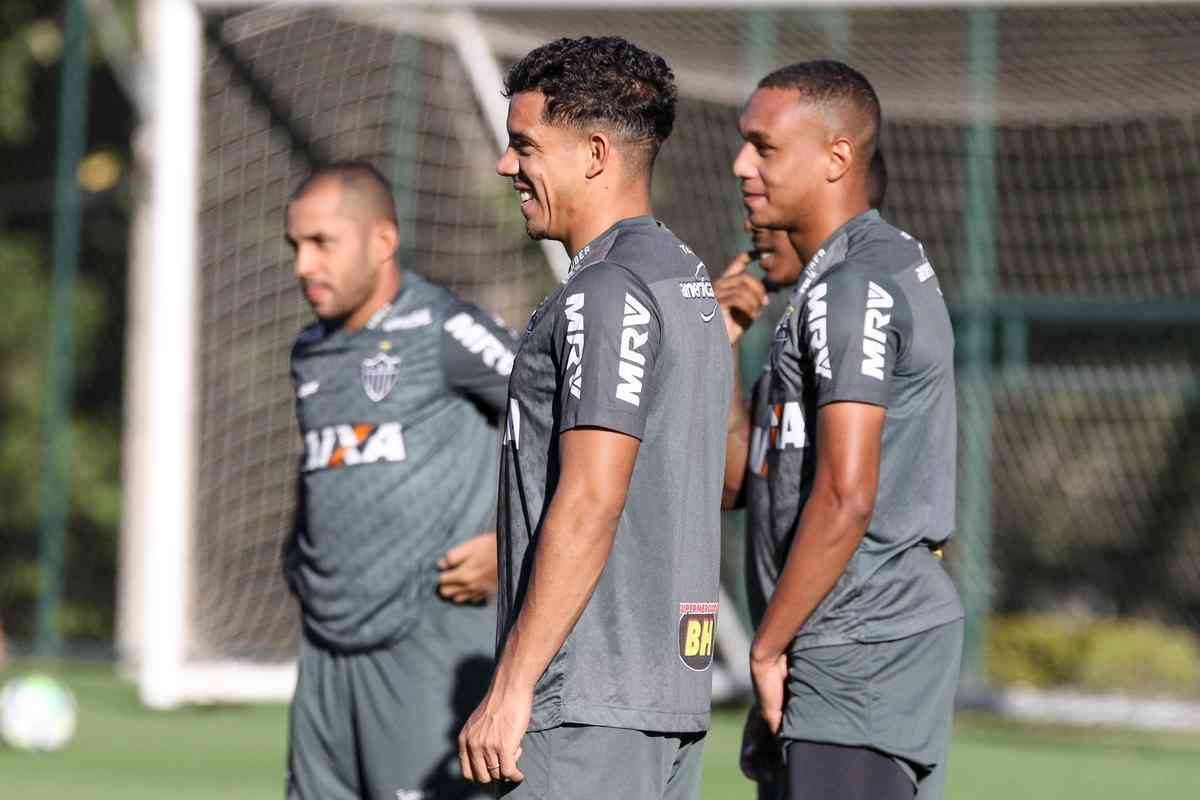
[36, 713]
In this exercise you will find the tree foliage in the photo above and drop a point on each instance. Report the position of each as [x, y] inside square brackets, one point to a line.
[30, 60]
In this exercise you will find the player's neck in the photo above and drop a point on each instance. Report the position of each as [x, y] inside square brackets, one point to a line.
[808, 238]
[605, 211]
[385, 292]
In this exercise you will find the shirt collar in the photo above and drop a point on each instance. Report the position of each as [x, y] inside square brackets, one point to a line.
[871, 215]
[581, 258]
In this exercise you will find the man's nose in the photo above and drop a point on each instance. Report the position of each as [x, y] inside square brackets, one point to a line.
[741, 164]
[507, 165]
[305, 262]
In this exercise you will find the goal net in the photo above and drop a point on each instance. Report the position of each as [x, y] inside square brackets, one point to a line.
[1047, 158]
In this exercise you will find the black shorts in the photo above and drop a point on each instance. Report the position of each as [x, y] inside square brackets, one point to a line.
[826, 771]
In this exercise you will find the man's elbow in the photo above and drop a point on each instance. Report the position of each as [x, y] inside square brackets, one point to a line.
[855, 504]
[592, 504]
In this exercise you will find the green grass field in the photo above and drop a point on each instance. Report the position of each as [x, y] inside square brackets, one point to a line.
[124, 751]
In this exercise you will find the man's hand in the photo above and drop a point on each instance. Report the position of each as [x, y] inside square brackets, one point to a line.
[742, 297]
[762, 755]
[490, 743]
[469, 570]
[770, 681]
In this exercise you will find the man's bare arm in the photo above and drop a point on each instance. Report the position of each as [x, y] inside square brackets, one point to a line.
[742, 298]
[572, 548]
[835, 517]
[737, 440]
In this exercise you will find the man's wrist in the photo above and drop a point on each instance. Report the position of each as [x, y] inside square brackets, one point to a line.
[511, 678]
[762, 655]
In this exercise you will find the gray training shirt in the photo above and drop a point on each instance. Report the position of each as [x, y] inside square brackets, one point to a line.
[867, 324]
[399, 459]
[632, 342]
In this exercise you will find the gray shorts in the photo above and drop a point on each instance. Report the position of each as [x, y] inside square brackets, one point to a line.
[383, 724]
[586, 762]
[894, 697]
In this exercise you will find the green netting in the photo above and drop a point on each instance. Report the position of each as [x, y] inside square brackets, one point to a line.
[1086, 462]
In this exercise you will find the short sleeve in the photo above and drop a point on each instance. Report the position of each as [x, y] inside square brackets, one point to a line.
[854, 333]
[477, 356]
[607, 343]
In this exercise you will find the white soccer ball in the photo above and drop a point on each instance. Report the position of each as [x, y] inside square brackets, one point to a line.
[36, 713]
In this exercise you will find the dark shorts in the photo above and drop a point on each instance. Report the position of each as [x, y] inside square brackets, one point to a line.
[587, 762]
[383, 724]
[823, 771]
[895, 698]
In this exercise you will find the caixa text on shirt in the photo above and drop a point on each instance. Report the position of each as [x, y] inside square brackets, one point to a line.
[351, 444]
[788, 428]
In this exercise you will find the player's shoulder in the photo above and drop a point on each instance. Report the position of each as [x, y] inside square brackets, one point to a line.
[420, 306]
[455, 317]
[649, 249]
[854, 275]
[607, 282]
[856, 284]
[879, 246]
[467, 322]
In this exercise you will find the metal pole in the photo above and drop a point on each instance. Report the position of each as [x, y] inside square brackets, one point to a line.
[72, 135]
[163, 313]
[979, 211]
[407, 90]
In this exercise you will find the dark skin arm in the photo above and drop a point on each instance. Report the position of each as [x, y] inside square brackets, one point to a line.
[737, 441]
[572, 548]
[742, 298]
[835, 517]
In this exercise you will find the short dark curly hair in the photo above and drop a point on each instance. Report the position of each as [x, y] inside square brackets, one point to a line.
[603, 80]
[832, 82]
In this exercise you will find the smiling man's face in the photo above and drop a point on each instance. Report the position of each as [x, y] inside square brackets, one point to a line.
[547, 165]
[784, 160]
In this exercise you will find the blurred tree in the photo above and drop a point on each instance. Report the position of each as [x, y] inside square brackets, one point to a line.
[30, 52]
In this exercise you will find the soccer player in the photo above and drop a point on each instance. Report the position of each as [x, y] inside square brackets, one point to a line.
[774, 253]
[845, 457]
[611, 467]
[399, 386]
[746, 295]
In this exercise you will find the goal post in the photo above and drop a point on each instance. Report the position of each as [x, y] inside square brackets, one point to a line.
[1039, 197]
[163, 302]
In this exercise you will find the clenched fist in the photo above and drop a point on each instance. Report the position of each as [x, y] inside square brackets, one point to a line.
[468, 572]
[741, 296]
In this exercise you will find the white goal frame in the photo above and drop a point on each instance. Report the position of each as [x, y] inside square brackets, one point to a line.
[160, 414]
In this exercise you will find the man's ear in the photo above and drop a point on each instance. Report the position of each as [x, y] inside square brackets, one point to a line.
[599, 151]
[842, 153]
[385, 238]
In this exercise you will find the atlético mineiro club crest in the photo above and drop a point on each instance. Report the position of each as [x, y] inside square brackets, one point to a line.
[379, 375]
